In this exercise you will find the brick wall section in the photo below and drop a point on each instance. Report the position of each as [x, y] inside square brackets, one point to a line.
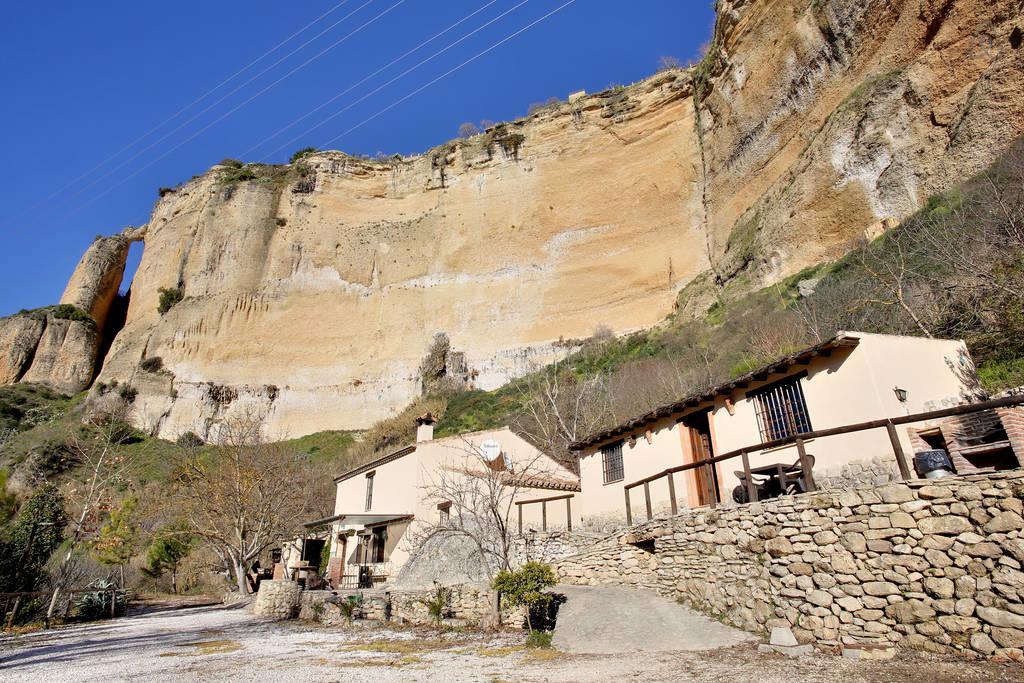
[931, 565]
[1013, 423]
[335, 567]
[973, 424]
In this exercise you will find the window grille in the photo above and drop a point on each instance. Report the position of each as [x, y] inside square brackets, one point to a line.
[444, 514]
[781, 410]
[612, 457]
[369, 490]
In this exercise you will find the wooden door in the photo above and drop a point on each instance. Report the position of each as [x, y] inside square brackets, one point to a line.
[702, 449]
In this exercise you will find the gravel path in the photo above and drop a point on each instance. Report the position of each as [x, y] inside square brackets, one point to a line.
[217, 643]
[613, 619]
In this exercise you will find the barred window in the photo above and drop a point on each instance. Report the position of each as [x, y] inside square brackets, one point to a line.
[444, 514]
[369, 490]
[781, 409]
[612, 457]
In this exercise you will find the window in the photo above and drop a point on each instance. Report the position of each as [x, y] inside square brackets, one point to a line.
[781, 409]
[369, 490]
[612, 457]
[444, 514]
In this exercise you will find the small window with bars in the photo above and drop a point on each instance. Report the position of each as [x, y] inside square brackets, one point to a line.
[611, 456]
[781, 409]
[369, 490]
[444, 514]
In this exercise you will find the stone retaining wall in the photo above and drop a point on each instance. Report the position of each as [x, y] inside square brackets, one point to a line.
[933, 565]
[469, 605]
[551, 546]
[278, 599]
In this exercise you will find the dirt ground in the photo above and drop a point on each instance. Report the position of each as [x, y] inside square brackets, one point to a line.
[217, 643]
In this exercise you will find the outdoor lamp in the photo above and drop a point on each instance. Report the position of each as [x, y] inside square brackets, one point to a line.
[901, 394]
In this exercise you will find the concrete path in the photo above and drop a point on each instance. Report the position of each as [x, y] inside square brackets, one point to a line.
[607, 619]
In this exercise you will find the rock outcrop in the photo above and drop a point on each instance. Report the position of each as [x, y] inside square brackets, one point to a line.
[59, 346]
[311, 294]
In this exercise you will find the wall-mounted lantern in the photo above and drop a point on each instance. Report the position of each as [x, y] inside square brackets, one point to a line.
[901, 394]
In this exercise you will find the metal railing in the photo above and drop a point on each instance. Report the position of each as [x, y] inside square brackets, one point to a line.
[889, 424]
[543, 502]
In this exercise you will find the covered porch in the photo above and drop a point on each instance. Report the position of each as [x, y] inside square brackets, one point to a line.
[363, 548]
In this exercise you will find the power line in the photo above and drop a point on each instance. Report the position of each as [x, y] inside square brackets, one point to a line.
[350, 105]
[236, 108]
[450, 72]
[186, 107]
[387, 66]
[224, 97]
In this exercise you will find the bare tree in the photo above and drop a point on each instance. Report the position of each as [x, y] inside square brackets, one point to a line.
[560, 408]
[889, 267]
[103, 466]
[250, 496]
[468, 130]
[479, 495]
[668, 62]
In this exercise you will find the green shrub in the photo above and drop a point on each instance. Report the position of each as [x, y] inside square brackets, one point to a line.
[325, 559]
[525, 587]
[304, 152]
[164, 191]
[190, 440]
[539, 639]
[1000, 374]
[169, 298]
[231, 163]
[437, 606]
[70, 312]
[154, 364]
[350, 607]
[239, 175]
[128, 393]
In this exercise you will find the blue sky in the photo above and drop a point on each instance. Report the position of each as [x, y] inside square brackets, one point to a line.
[83, 81]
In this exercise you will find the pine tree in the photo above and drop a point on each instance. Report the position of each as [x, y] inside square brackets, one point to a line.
[169, 548]
[115, 544]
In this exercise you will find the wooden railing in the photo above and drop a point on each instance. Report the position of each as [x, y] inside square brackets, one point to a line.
[889, 424]
[543, 502]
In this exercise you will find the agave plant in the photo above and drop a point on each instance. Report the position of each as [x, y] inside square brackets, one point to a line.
[96, 604]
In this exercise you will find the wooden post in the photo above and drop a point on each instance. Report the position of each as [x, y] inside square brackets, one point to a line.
[629, 512]
[543, 515]
[672, 494]
[647, 500]
[749, 479]
[897, 449]
[709, 482]
[568, 513]
[520, 506]
[805, 465]
[113, 603]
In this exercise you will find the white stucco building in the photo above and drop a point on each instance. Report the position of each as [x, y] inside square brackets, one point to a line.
[382, 506]
[852, 378]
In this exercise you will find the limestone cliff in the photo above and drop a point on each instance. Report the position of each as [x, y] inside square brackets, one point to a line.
[312, 293]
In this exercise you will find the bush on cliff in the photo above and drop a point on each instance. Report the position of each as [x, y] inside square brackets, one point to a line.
[304, 152]
[70, 312]
[169, 298]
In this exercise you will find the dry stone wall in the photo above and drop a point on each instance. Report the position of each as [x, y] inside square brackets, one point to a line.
[464, 604]
[931, 565]
[278, 599]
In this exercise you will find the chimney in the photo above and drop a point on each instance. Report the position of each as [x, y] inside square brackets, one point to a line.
[424, 428]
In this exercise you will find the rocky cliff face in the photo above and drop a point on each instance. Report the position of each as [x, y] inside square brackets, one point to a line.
[312, 294]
